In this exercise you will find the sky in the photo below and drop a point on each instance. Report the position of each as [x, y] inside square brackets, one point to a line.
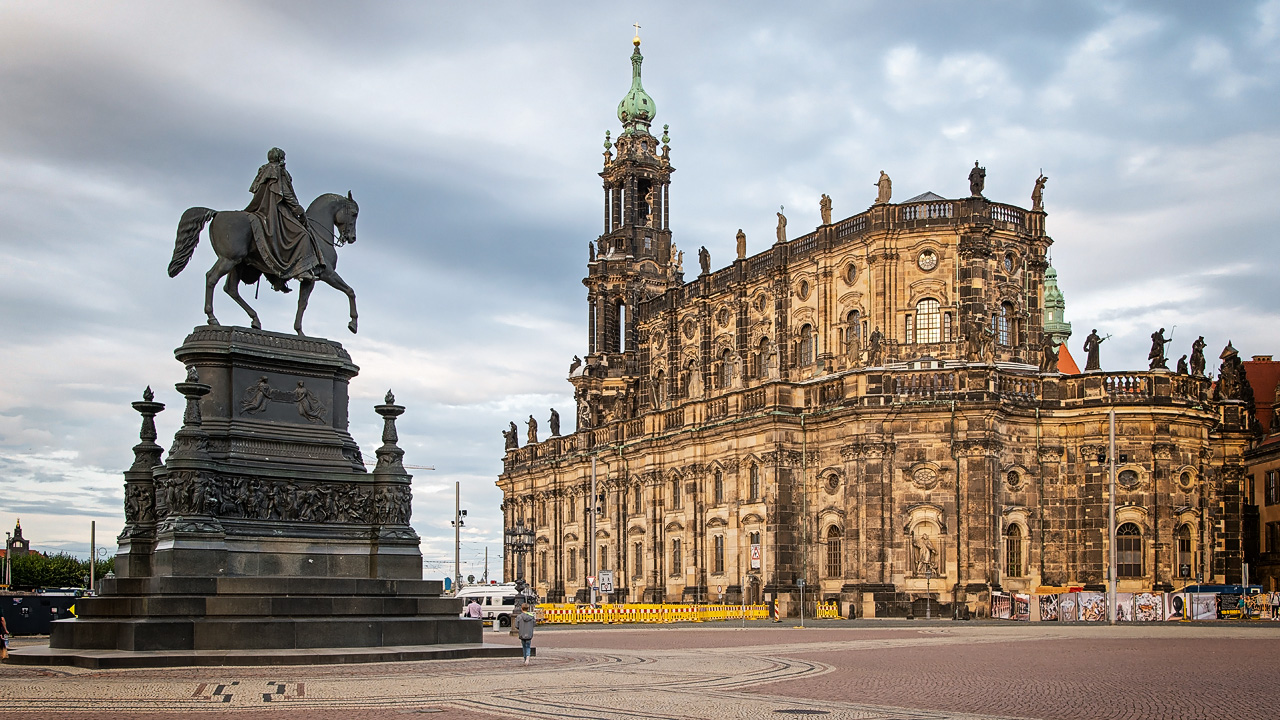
[471, 133]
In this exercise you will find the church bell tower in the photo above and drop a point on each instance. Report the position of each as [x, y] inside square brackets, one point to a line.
[632, 260]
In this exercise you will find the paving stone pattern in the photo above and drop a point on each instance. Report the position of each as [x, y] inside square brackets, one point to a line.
[925, 672]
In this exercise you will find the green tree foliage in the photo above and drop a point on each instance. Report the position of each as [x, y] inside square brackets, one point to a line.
[52, 571]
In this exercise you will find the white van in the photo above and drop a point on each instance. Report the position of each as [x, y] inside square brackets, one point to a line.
[497, 602]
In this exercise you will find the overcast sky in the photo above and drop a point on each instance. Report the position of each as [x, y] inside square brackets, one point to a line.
[471, 135]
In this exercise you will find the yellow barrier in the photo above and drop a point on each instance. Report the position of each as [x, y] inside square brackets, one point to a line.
[829, 611]
[570, 614]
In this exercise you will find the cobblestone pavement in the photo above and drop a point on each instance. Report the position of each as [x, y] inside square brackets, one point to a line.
[960, 671]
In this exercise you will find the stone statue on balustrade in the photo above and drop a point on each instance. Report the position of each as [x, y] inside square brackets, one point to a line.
[533, 431]
[573, 366]
[1049, 355]
[1232, 383]
[742, 245]
[1157, 356]
[1037, 193]
[875, 348]
[704, 260]
[782, 225]
[977, 179]
[554, 423]
[511, 437]
[1197, 357]
[1091, 345]
[884, 189]
[981, 342]
[824, 206]
[1182, 365]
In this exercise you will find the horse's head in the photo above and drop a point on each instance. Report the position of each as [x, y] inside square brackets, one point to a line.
[345, 219]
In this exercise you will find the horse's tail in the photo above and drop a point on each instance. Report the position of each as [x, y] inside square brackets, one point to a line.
[189, 227]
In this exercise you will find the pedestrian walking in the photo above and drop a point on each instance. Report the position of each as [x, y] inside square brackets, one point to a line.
[4, 636]
[1275, 604]
[523, 625]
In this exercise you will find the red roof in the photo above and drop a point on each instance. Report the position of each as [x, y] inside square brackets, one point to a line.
[1067, 364]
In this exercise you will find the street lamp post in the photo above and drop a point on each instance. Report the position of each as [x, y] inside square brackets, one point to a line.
[519, 539]
[458, 514]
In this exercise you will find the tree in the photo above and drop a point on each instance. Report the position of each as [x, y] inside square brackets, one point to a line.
[34, 570]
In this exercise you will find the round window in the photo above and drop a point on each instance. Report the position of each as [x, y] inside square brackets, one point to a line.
[1013, 478]
[722, 317]
[1008, 263]
[689, 329]
[928, 260]
[804, 289]
[1127, 478]
[851, 273]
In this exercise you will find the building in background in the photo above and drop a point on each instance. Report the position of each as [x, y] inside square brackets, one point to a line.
[1262, 515]
[867, 412]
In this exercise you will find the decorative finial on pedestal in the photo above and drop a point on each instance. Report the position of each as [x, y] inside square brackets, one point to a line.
[146, 454]
[191, 441]
[390, 456]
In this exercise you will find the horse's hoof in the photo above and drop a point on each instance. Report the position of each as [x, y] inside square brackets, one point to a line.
[352, 326]
[299, 331]
[212, 321]
[256, 325]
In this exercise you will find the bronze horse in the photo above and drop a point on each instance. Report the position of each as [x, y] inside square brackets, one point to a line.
[231, 234]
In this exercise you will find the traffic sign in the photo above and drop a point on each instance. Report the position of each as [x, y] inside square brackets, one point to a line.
[755, 556]
[606, 581]
[591, 580]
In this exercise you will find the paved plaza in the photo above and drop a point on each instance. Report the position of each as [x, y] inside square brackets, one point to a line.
[863, 669]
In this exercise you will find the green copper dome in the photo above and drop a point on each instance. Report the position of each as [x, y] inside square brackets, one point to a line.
[637, 109]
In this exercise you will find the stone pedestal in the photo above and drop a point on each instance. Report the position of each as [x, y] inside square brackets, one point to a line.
[262, 530]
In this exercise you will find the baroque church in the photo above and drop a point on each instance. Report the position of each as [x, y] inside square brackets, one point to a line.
[876, 412]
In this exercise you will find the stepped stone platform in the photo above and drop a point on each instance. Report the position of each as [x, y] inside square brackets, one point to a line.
[261, 538]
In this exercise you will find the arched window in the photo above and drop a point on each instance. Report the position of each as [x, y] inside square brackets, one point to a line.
[572, 566]
[807, 341]
[675, 494]
[753, 483]
[726, 369]
[542, 564]
[1186, 555]
[1128, 551]
[1005, 334]
[636, 505]
[762, 358]
[852, 328]
[717, 489]
[1013, 551]
[638, 569]
[573, 508]
[717, 565]
[660, 389]
[676, 559]
[622, 327]
[928, 321]
[834, 565]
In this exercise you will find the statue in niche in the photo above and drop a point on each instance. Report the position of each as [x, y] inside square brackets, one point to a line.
[977, 179]
[1157, 356]
[695, 382]
[884, 189]
[511, 437]
[650, 199]
[1197, 357]
[591, 252]
[1049, 355]
[875, 348]
[584, 414]
[926, 552]
[573, 366]
[742, 245]
[824, 206]
[736, 380]
[782, 225]
[704, 259]
[1037, 193]
[554, 423]
[533, 431]
[1182, 365]
[309, 406]
[1091, 345]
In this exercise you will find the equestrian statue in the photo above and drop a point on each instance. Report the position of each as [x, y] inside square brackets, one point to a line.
[272, 237]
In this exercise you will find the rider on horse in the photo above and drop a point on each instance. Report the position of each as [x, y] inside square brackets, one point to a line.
[286, 246]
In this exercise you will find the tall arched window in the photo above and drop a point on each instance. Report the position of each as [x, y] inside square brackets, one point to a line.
[807, 341]
[753, 483]
[852, 327]
[638, 569]
[762, 358]
[636, 504]
[571, 567]
[675, 493]
[726, 369]
[660, 389]
[1005, 334]
[717, 489]
[676, 559]
[1186, 557]
[1013, 551]
[717, 562]
[928, 321]
[834, 565]
[622, 327]
[1128, 551]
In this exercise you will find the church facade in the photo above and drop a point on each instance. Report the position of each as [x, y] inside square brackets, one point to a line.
[870, 412]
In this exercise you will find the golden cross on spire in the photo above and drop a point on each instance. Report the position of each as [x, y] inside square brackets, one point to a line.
[636, 39]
